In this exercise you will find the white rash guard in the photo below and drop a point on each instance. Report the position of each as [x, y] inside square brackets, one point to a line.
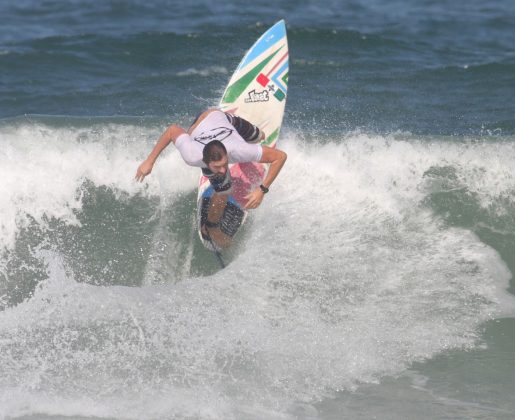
[216, 126]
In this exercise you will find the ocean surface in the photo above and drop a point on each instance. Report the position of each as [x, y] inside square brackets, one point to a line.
[374, 282]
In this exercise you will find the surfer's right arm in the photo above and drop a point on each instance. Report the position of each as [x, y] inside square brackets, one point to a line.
[170, 135]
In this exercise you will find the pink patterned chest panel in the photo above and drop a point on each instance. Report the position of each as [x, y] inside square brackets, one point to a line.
[245, 178]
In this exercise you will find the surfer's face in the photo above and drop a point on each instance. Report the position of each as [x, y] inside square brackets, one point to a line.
[219, 166]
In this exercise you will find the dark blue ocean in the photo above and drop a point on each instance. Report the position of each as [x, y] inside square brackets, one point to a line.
[375, 280]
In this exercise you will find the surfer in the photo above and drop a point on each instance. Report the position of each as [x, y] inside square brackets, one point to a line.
[214, 140]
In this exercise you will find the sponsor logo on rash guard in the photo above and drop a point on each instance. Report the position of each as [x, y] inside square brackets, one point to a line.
[219, 133]
[257, 96]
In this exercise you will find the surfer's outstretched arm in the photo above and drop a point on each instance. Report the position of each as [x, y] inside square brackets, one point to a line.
[170, 135]
[276, 158]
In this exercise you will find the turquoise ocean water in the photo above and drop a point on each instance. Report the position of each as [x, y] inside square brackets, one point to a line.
[376, 279]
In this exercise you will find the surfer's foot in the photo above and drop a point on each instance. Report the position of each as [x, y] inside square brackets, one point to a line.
[208, 227]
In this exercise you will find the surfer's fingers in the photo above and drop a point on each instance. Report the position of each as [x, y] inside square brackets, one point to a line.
[253, 201]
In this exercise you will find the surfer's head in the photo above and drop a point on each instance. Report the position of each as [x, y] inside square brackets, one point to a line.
[215, 157]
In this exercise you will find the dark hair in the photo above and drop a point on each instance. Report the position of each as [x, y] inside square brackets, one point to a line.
[213, 151]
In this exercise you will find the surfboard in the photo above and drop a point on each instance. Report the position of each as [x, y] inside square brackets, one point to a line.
[256, 92]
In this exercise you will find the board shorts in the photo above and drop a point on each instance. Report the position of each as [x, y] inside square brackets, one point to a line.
[247, 130]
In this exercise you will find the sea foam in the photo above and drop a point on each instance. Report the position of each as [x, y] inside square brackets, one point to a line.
[345, 275]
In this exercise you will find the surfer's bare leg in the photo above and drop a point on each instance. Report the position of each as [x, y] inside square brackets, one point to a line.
[219, 175]
[214, 215]
[216, 207]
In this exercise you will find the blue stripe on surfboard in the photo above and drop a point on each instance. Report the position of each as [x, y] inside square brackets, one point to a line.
[269, 38]
[210, 191]
[275, 77]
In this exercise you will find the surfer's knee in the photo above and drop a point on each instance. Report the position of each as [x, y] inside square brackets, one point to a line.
[174, 131]
[199, 119]
[207, 112]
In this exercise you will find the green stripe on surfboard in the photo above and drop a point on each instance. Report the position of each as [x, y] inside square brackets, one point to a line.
[270, 139]
[236, 89]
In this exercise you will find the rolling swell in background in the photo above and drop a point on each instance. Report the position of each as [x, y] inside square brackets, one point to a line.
[424, 68]
[379, 265]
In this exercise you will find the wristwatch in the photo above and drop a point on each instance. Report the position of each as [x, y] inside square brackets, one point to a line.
[263, 188]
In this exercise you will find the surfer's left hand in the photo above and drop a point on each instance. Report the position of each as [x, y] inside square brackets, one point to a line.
[143, 170]
[254, 199]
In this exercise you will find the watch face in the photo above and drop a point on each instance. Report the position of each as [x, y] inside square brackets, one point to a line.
[263, 188]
